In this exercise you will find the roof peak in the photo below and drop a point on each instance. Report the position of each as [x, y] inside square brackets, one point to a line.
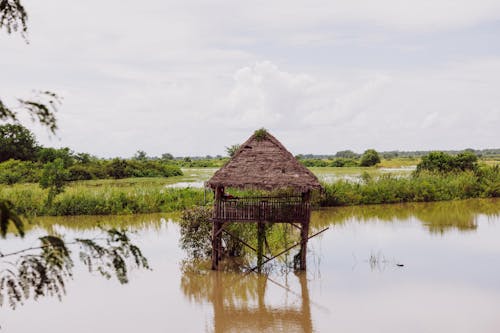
[262, 162]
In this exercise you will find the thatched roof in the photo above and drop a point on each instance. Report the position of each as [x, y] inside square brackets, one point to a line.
[262, 162]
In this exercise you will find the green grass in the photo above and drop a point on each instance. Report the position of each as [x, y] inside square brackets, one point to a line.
[423, 188]
[103, 199]
[151, 195]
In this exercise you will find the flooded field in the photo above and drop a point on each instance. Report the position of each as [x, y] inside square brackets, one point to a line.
[195, 177]
[432, 267]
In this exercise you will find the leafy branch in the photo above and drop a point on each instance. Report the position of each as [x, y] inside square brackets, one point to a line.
[13, 16]
[45, 273]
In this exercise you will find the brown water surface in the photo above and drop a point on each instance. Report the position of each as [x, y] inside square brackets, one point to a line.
[431, 267]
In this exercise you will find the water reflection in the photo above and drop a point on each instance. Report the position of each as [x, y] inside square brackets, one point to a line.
[437, 217]
[240, 302]
[448, 283]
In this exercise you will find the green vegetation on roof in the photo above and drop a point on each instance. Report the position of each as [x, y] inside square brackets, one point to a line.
[260, 134]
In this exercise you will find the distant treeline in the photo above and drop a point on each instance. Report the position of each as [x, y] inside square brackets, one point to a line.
[349, 154]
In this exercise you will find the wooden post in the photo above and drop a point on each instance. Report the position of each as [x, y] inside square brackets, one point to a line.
[216, 244]
[216, 232]
[304, 231]
[260, 244]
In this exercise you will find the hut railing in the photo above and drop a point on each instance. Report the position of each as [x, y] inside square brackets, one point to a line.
[269, 209]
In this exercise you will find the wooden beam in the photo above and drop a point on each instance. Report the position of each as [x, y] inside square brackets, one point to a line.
[243, 242]
[287, 249]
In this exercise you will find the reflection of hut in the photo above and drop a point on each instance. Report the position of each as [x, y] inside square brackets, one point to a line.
[262, 163]
[240, 305]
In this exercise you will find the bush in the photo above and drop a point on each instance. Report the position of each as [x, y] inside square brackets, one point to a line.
[424, 186]
[17, 142]
[46, 155]
[54, 177]
[344, 162]
[14, 171]
[370, 158]
[80, 172]
[441, 162]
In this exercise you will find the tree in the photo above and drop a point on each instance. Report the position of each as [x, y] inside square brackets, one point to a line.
[46, 155]
[167, 157]
[14, 171]
[438, 161]
[43, 270]
[140, 155]
[118, 168]
[370, 158]
[346, 154]
[232, 150]
[35, 274]
[17, 142]
[54, 177]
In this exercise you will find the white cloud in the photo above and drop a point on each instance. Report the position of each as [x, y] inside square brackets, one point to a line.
[189, 77]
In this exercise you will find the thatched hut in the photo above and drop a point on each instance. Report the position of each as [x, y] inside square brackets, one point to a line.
[262, 163]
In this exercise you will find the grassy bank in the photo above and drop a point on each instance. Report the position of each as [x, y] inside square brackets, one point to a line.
[422, 188]
[149, 195]
[83, 199]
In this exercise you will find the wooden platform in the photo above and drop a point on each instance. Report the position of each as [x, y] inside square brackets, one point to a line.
[262, 209]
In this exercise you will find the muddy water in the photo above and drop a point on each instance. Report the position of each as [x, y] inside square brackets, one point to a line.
[398, 268]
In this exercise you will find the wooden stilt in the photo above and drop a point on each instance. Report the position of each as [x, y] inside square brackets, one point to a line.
[215, 256]
[304, 236]
[304, 232]
[260, 244]
[216, 244]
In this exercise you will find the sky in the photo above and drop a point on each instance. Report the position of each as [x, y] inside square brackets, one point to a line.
[193, 77]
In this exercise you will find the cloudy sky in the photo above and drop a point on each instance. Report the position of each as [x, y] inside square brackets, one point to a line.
[191, 77]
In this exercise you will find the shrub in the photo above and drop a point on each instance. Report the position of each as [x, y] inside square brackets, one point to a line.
[17, 142]
[441, 162]
[370, 158]
[344, 162]
[80, 172]
[54, 177]
[14, 171]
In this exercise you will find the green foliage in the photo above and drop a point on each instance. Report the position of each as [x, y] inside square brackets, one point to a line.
[80, 172]
[344, 162]
[7, 215]
[54, 177]
[231, 150]
[46, 155]
[337, 162]
[369, 158]
[141, 155]
[347, 154]
[41, 107]
[424, 186]
[442, 162]
[17, 142]
[43, 271]
[14, 171]
[96, 198]
[309, 162]
[260, 134]
[196, 231]
[167, 157]
[113, 255]
[119, 168]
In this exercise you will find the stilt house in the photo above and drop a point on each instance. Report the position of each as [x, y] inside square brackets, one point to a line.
[262, 163]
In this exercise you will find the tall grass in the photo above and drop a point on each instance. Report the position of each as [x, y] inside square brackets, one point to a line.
[424, 187]
[104, 200]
